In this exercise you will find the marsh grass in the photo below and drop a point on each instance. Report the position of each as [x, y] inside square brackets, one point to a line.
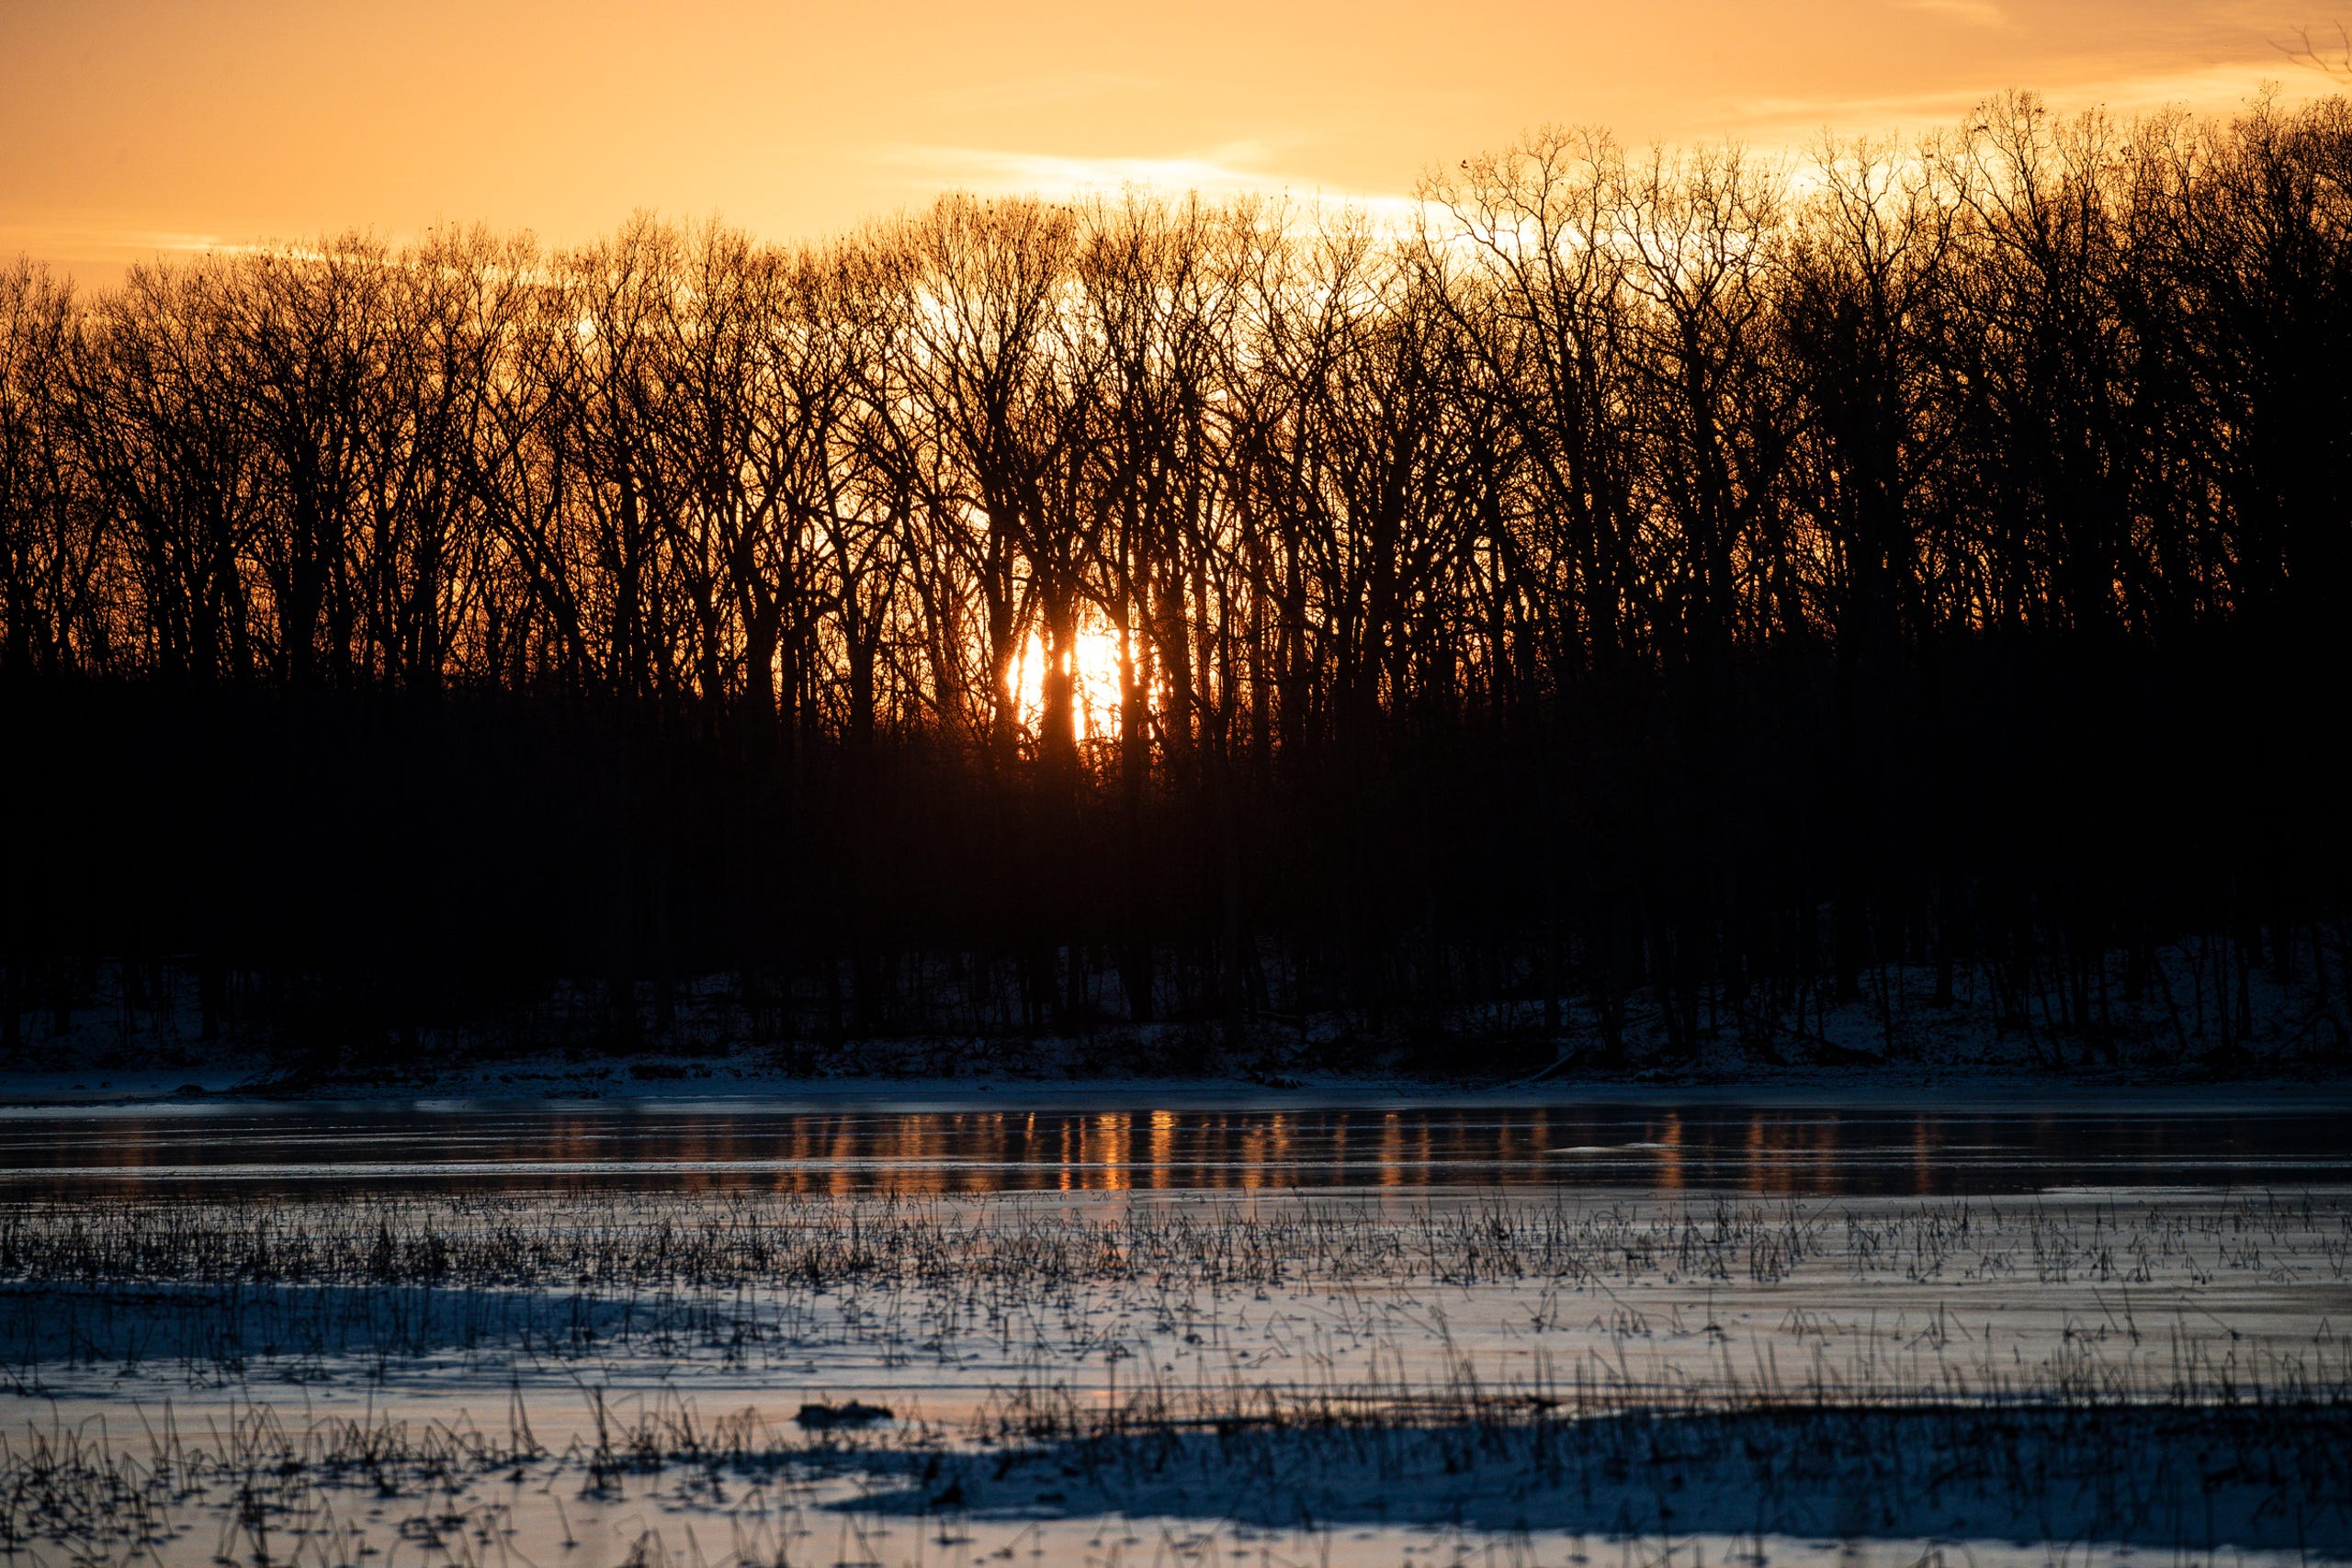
[2162, 1296]
[727, 1239]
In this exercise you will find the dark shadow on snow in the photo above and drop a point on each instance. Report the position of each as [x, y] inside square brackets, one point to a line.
[2275, 1476]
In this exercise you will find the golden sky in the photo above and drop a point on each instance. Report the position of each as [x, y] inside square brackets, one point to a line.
[133, 127]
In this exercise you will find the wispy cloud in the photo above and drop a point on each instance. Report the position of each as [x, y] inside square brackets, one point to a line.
[79, 240]
[1978, 13]
[1236, 168]
[1230, 169]
[2220, 89]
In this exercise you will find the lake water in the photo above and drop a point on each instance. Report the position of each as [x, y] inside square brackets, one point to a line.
[1781, 1152]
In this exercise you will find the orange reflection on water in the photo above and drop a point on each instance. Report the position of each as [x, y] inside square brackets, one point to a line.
[1163, 1143]
[1764, 1152]
[1669, 1154]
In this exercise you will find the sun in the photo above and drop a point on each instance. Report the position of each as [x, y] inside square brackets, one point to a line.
[1094, 662]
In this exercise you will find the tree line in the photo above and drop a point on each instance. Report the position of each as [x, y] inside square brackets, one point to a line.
[1674, 575]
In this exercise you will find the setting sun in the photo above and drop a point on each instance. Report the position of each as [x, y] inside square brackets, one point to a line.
[1095, 669]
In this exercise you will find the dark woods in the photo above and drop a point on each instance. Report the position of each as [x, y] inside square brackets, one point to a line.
[1662, 594]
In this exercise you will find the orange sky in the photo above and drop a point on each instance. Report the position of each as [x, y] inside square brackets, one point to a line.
[138, 126]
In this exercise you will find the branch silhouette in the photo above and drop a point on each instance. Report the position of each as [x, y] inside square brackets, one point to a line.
[1666, 594]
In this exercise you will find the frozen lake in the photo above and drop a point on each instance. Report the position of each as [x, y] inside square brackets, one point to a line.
[582, 1333]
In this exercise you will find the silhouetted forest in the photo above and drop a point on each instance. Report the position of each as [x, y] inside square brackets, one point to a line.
[1672, 574]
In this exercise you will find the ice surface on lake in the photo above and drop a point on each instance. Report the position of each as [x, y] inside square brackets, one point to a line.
[1358, 1336]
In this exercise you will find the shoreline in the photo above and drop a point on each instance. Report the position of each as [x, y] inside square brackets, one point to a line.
[719, 1086]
